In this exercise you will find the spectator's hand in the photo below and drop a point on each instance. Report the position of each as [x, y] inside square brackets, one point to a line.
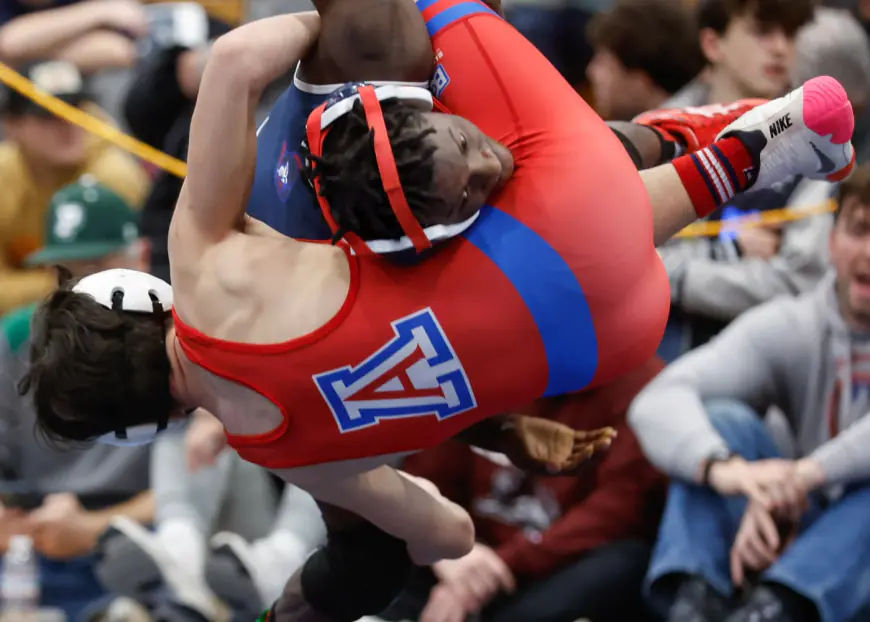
[127, 16]
[809, 474]
[773, 484]
[205, 440]
[13, 522]
[63, 529]
[477, 577]
[444, 605]
[759, 242]
[757, 544]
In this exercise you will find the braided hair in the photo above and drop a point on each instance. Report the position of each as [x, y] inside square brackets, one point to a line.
[351, 182]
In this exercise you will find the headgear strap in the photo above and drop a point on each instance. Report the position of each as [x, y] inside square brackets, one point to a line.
[389, 171]
[160, 316]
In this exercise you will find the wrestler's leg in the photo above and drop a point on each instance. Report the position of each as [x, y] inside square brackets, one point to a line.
[359, 572]
[804, 133]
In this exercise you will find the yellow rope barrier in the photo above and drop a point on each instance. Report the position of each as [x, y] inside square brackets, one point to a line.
[178, 168]
[90, 123]
[772, 217]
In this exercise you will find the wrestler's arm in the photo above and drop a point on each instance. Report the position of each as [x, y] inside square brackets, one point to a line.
[404, 506]
[646, 146]
[223, 142]
[369, 40]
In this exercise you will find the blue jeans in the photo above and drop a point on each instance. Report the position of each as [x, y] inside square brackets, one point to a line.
[71, 586]
[829, 562]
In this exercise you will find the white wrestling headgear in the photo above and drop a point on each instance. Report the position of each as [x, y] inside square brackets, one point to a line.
[340, 103]
[135, 292]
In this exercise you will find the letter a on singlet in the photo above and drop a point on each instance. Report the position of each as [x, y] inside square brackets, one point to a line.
[417, 373]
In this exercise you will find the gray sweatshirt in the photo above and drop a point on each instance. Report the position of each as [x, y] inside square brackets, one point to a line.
[794, 353]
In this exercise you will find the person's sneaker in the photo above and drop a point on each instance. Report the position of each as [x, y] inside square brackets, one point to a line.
[807, 132]
[762, 606]
[696, 127]
[231, 572]
[147, 563]
[697, 601]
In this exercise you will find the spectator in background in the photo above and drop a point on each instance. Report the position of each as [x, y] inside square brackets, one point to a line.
[791, 534]
[645, 51]
[219, 534]
[750, 49]
[549, 549]
[64, 500]
[40, 155]
[158, 109]
[835, 44]
[91, 34]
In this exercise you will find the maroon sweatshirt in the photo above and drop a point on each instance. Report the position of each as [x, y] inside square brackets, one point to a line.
[538, 524]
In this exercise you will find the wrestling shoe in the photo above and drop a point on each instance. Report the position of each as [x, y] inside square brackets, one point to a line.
[806, 132]
[696, 127]
[134, 562]
[242, 573]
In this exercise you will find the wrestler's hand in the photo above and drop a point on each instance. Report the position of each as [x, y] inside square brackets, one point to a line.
[476, 578]
[205, 440]
[548, 447]
[695, 127]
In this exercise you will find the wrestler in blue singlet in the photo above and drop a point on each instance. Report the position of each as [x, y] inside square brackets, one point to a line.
[280, 196]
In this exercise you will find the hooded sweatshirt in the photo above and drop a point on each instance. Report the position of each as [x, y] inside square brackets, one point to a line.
[794, 353]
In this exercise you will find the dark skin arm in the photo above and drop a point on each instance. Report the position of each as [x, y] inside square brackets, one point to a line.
[645, 140]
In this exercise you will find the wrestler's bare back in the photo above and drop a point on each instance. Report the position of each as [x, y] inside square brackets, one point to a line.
[261, 287]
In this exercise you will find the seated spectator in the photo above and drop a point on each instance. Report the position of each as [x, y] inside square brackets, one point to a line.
[91, 34]
[747, 534]
[550, 549]
[219, 540]
[645, 51]
[750, 49]
[40, 155]
[64, 500]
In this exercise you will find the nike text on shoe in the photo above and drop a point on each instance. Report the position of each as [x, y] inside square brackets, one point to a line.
[807, 132]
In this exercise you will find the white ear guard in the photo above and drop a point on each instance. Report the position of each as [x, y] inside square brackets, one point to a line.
[340, 102]
[135, 292]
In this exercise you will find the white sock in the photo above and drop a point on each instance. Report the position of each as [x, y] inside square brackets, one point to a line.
[276, 557]
[185, 543]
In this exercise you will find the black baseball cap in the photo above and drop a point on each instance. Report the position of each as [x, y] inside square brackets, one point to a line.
[59, 78]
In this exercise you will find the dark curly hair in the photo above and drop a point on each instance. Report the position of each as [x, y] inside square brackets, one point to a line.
[351, 182]
[94, 370]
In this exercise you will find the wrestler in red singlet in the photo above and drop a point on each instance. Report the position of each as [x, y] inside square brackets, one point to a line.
[555, 288]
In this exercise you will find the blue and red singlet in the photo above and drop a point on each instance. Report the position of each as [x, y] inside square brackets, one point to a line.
[557, 286]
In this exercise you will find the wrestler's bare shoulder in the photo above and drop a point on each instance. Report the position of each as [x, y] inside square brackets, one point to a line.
[261, 289]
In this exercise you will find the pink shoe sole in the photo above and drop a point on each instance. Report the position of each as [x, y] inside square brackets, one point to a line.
[828, 113]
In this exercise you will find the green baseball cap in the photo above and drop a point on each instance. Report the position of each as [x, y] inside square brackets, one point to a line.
[85, 221]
